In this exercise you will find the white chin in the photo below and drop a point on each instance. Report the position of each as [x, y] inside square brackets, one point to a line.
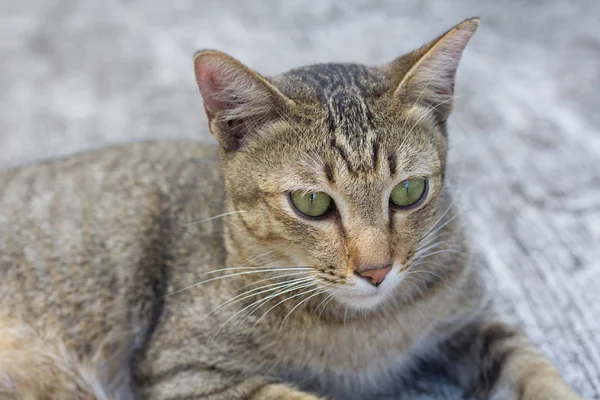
[361, 302]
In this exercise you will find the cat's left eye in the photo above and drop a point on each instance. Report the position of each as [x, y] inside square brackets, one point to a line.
[409, 193]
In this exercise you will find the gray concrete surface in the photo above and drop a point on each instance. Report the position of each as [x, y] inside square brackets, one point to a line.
[525, 136]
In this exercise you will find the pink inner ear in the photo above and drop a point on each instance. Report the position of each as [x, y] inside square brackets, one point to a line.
[209, 90]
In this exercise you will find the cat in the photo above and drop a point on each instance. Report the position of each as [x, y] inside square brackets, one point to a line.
[315, 253]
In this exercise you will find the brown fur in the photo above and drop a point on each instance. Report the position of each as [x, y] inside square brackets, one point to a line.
[169, 270]
[40, 367]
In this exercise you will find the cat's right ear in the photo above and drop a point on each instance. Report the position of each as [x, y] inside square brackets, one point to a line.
[426, 76]
[237, 100]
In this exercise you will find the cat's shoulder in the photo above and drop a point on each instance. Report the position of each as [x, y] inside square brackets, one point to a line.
[126, 158]
[173, 170]
[158, 151]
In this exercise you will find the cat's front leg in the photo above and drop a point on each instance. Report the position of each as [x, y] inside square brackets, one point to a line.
[210, 384]
[282, 392]
[496, 361]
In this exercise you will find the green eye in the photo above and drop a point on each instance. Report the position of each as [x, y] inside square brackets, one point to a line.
[311, 204]
[408, 193]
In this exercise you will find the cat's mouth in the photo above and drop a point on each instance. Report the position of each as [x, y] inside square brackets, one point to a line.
[362, 295]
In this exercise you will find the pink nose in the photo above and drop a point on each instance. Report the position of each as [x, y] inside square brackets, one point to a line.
[375, 275]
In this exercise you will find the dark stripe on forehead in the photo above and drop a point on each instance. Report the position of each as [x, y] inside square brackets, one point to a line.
[326, 79]
[392, 163]
[338, 86]
[342, 154]
[375, 152]
[346, 93]
[329, 172]
[352, 116]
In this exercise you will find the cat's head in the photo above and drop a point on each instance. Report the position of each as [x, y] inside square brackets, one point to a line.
[338, 167]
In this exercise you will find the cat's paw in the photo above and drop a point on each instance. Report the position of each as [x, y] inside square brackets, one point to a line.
[283, 392]
[548, 389]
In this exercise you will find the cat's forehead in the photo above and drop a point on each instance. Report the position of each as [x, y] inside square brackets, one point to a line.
[345, 94]
[325, 83]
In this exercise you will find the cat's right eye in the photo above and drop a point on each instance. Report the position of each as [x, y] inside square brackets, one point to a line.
[408, 193]
[315, 204]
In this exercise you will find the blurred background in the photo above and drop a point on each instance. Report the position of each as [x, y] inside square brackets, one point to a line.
[525, 140]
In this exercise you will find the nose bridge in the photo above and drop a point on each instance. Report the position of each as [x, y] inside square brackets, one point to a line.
[368, 246]
[366, 228]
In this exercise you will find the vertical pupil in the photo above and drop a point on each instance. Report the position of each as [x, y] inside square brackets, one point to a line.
[406, 185]
[313, 196]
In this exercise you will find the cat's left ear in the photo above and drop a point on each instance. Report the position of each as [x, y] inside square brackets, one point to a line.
[237, 100]
[426, 76]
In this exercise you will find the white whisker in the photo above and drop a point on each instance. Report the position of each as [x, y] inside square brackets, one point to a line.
[231, 275]
[452, 203]
[258, 267]
[272, 296]
[428, 232]
[445, 223]
[430, 110]
[408, 279]
[258, 291]
[428, 272]
[300, 303]
[417, 100]
[215, 217]
[430, 246]
[293, 287]
[422, 257]
[271, 278]
[429, 239]
[326, 301]
[283, 301]
[257, 257]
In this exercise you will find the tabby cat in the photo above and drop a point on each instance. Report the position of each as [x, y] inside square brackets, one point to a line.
[315, 254]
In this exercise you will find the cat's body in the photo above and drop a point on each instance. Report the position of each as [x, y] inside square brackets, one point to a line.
[100, 194]
[133, 271]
